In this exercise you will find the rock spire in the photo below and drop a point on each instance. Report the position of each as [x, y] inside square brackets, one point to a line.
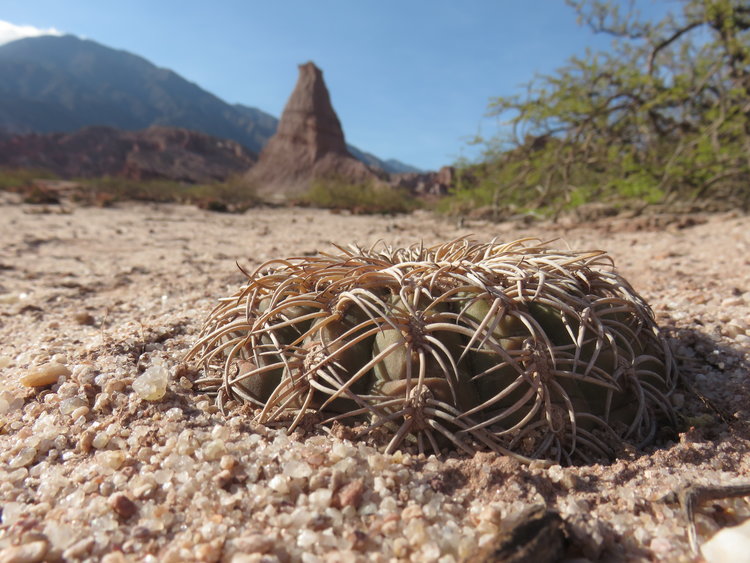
[308, 144]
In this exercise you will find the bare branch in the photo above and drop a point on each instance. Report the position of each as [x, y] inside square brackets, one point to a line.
[668, 41]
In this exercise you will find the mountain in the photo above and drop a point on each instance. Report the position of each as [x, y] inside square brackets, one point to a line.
[63, 83]
[155, 153]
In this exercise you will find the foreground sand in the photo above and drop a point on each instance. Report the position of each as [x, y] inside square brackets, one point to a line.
[91, 471]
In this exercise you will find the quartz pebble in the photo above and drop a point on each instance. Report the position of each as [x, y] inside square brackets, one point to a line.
[22, 458]
[254, 543]
[152, 384]
[44, 375]
[31, 552]
[79, 549]
[69, 406]
[730, 545]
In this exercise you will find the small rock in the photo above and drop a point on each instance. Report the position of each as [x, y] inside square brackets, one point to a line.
[141, 532]
[534, 535]
[214, 450]
[733, 329]
[85, 441]
[100, 441]
[730, 545]
[120, 503]
[79, 549]
[227, 462]
[253, 543]
[68, 406]
[210, 551]
[84, 318]
[22, 458]
[297, 469]
[27, 553]
[112, 459]
[9, 298]
[350, 494]
[223, 478]
[44, 375]
[733, 302]
[279, 484]
[152, 384]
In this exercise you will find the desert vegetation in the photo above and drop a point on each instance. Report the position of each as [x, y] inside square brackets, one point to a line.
[44, 187]
[370, 198]
[517, 348]
[663, 116]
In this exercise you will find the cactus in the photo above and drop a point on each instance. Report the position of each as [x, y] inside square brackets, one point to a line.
[517, 348]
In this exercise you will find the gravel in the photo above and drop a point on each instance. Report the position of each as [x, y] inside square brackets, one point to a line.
[107, 453]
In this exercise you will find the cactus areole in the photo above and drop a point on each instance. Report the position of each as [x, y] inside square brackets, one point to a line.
[517, 348]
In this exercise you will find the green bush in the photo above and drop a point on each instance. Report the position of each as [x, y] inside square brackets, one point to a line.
[661, 117]
[15, 178]
[228, 196]
[368, 198]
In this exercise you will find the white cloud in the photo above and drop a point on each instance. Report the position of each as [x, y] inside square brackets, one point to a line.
[10, 32]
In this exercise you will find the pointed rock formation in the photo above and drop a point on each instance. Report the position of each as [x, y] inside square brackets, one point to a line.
[308, 144]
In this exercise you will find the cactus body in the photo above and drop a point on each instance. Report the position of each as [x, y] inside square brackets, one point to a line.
[514, 347]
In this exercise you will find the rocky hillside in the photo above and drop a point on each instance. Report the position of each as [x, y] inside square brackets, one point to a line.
[62, 84]
[153, 153]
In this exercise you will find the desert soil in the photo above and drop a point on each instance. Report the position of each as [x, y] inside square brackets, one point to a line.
[90, 470]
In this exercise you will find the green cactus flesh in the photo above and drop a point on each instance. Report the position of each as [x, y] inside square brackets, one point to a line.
[516, 348]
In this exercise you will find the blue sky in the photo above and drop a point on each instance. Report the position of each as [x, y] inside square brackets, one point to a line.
[409, 79]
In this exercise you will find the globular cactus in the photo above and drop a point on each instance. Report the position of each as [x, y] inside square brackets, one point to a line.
[516, 348]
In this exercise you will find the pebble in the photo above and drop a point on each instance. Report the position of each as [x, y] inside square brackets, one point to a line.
[152, 384]
[26, 553]
[214, 450]
[253, 543]
[297, 469]
[733, 329]
[79, 412]
[79, 549]
[111, 458]
[730, 545]
[350, 494]
[223, 478]
[114, 557]
[84, 318]
[733, 302]
[44, 375]
[9, 298]
[120, 503]
[279, 484]
[22, 458]
[68, 406]
[100, 441]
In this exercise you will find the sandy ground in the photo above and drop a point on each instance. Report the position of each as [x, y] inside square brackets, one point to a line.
[89, 470]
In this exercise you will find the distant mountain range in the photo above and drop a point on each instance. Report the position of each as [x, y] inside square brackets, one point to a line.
[63, 83]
